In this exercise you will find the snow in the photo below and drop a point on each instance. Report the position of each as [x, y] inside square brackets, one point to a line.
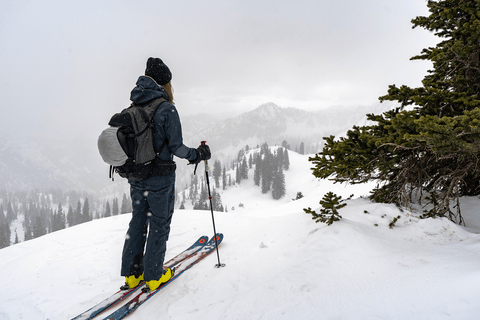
[280, 264]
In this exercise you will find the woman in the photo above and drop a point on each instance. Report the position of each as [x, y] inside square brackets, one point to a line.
[153, 199]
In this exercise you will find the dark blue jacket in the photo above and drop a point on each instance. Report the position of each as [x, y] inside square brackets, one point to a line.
[167, 123]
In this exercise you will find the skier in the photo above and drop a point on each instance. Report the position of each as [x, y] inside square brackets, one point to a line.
[153, 199]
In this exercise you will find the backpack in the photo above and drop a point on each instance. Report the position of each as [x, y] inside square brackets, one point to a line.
[133, 131]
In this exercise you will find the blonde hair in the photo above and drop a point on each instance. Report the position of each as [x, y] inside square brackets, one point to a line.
[169, 90]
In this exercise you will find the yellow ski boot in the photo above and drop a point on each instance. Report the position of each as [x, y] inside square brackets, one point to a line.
[132, 281]
[154, 284]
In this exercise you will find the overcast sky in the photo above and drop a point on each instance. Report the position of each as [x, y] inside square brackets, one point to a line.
[67, 66]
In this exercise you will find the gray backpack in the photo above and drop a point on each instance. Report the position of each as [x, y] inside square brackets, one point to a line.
[128, 145]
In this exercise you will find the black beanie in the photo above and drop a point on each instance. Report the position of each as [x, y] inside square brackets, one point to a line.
[157, 70]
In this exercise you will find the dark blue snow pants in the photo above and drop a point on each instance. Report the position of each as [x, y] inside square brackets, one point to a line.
[150, 225]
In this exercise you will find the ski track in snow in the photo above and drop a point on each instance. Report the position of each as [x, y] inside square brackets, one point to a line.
[280, 264]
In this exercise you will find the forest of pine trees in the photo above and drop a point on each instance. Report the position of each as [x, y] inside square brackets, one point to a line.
[43, 212]
[267, 166]
[49, 211]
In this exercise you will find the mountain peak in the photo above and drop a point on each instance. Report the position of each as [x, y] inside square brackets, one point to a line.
[268, 105]
[268, 110]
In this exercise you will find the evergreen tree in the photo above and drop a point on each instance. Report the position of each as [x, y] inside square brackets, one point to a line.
[28, 232]
[240, 155]
[11, 216]
[285, 144]
[216, 201]
[70, 216]
[108, 210]
[28, 221]
[267, 171]
[196, 205]
[47, 213]
[244, 169]
[123, 207]
[40, 225]
[278, 184]
[86, 215]
[331, 203]
[286, 160]
[78, 218]
[203, 194]
[217, 172]
[200, 205]
[238, 174]
[4, 234]
[61, 217]
[58, 219]
[433, 148]
[27, 215]
[279, 157]
[115, 209]
[224, 179]
[193, 187]
[2, 215]
[264, 149]
[126, 205]
[53, 222]
[302, 148]
[257, 173]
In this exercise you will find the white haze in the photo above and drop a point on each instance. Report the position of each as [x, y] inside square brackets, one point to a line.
[68, 65]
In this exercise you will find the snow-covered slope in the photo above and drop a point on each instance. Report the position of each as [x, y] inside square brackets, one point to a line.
[280, 264]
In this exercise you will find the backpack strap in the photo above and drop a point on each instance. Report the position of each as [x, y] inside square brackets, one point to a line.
[165, 140]
[161, 147]
[111, 172]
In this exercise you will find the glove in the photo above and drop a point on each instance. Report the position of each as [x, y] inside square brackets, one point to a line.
[203, 153]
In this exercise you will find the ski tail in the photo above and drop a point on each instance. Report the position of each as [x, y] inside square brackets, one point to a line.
[122, 294]
[186, 264]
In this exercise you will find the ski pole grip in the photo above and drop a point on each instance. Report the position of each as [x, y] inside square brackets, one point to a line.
[203, 143]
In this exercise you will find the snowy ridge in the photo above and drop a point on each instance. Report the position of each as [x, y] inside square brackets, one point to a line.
[38, 162]
[273, 124]
[279, 263]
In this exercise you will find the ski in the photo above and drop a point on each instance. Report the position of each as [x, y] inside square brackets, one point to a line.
[122, 294]
[184, 265]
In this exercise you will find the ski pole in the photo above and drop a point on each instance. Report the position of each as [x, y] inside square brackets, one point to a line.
[219, 265]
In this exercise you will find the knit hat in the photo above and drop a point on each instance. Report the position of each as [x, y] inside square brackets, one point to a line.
[158, 71]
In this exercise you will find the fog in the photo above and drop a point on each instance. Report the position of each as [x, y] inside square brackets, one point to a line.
[66, 66]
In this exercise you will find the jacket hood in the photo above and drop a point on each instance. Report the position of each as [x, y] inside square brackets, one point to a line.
[146, 90]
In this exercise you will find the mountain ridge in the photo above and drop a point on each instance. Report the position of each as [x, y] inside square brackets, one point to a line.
[273, 124]
[76, 165]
